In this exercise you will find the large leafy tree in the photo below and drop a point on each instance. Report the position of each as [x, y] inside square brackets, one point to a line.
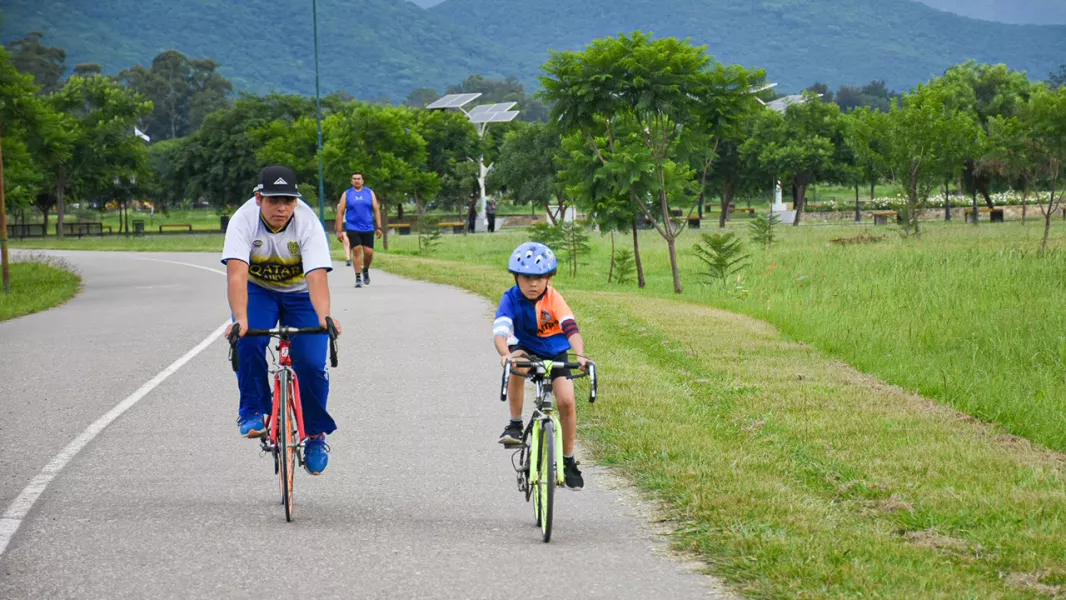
[1044, 117]
[799, 145]
[526, 169]
[98, 143]
[985, 92]
[184, 91]
[46, 64]
[451, 147]
[383, 143]
[926, 141]
[656, 89]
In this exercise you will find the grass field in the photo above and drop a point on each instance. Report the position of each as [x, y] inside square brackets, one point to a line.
[793, 475]
[970, 316]
[37, 285]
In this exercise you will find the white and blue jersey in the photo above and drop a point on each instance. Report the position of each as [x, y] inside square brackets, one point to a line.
[278, 264]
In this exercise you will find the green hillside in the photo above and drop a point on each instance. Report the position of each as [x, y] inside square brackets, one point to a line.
[368, 48]
[798, 42]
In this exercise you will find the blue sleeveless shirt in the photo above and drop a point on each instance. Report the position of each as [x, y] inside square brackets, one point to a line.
[359, 213]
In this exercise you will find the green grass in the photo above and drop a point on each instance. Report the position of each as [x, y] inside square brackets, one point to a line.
[38, 285]
[969, 316]
[792, 475]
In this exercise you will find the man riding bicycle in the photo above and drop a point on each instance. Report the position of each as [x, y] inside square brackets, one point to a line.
[277, 257]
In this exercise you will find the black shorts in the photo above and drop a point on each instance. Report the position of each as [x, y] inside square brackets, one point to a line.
[556, 373]
[360, 238]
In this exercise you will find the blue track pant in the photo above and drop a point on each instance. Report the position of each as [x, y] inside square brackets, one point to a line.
[267, 308]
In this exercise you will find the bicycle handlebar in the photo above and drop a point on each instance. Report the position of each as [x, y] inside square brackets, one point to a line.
[509, 366]
[283, 332]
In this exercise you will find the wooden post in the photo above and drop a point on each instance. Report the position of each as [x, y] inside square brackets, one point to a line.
[3, 227]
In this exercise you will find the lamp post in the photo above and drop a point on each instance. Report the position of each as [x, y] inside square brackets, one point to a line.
[318, 118]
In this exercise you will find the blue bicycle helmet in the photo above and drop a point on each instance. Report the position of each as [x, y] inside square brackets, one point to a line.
[533, 258]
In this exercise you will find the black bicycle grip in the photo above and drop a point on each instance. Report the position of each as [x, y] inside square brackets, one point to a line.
[234, 336]
[331, 329]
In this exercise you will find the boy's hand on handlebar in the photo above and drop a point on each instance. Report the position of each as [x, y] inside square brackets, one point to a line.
[517, 354]
[583, 362]
[244, 327]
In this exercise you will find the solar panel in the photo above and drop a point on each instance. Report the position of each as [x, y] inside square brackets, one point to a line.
[493, 117]
[453, 101]
[491, 108]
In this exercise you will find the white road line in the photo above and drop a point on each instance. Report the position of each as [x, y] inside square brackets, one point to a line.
[17, 511]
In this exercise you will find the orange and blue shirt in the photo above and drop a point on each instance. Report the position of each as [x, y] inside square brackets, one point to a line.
[542, 326]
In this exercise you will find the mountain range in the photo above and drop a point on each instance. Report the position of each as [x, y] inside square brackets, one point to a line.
[385, 48]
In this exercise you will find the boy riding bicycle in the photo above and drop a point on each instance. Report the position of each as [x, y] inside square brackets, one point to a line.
[534, 321]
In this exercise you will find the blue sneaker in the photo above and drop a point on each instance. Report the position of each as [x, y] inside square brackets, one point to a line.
[252, 426]
[316, 454]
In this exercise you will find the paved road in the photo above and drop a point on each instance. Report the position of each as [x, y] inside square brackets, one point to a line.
[167, 501]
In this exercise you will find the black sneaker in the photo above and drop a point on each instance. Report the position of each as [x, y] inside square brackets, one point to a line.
[366, 276]
[358, 281]
[512, 435]
[348, 263]
[572, 476]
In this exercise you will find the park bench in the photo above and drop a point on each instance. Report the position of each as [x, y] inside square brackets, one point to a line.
[881, 216]
[25, 230]
[994, 214]
[457, 226]
[186, 226]
[749, 211]
[80, 228]
[400, 228]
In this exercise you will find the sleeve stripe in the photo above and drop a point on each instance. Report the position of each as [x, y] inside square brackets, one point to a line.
[570, 327]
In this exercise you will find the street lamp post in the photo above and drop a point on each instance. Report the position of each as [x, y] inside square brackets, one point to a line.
[318, 118]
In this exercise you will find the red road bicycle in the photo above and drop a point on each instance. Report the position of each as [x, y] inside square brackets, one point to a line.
[285, 437]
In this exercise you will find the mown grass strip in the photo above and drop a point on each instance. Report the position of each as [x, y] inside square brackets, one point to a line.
[38, 285]
[793, 475]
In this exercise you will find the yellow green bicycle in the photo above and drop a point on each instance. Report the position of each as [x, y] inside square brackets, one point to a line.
[538, 462]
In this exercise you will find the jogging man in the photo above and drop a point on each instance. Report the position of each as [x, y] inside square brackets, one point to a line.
[359, 218]
[277, 256]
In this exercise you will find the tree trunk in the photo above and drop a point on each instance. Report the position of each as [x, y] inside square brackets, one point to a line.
[670, 243]
[727, 199]
[982, 186]
[1025, 201]
[384, 224]
[947, 203]
[801, 199]
[610, 272]
[1047, 226]
[858, 207]
[61, 205]
[636, 257]
[548, 209]
[973, 193]
[873, 187]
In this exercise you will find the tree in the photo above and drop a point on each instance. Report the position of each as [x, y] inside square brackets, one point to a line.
[926, 141]
[984, 91]
[88, 69]
[822, 90]
[97, 120]
[420, 97]
[45, 63]
[655, 88]
[383, 143]
[452, 144]
[183, 91]
[1045, 115]
[526, 168]
[798, 145]
[864, 133]
[1010, 143]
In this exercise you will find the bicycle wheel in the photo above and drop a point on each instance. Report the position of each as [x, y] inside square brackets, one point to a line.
[544, 493]
[286, 446]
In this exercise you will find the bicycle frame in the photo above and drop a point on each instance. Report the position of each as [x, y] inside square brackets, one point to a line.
[282, 376]
[544, 411]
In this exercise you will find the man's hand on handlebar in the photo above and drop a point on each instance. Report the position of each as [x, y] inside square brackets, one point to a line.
[336, 323]
[243, 327]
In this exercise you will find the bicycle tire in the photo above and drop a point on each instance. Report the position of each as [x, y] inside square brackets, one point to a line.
[546, 479]
[285, 446]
